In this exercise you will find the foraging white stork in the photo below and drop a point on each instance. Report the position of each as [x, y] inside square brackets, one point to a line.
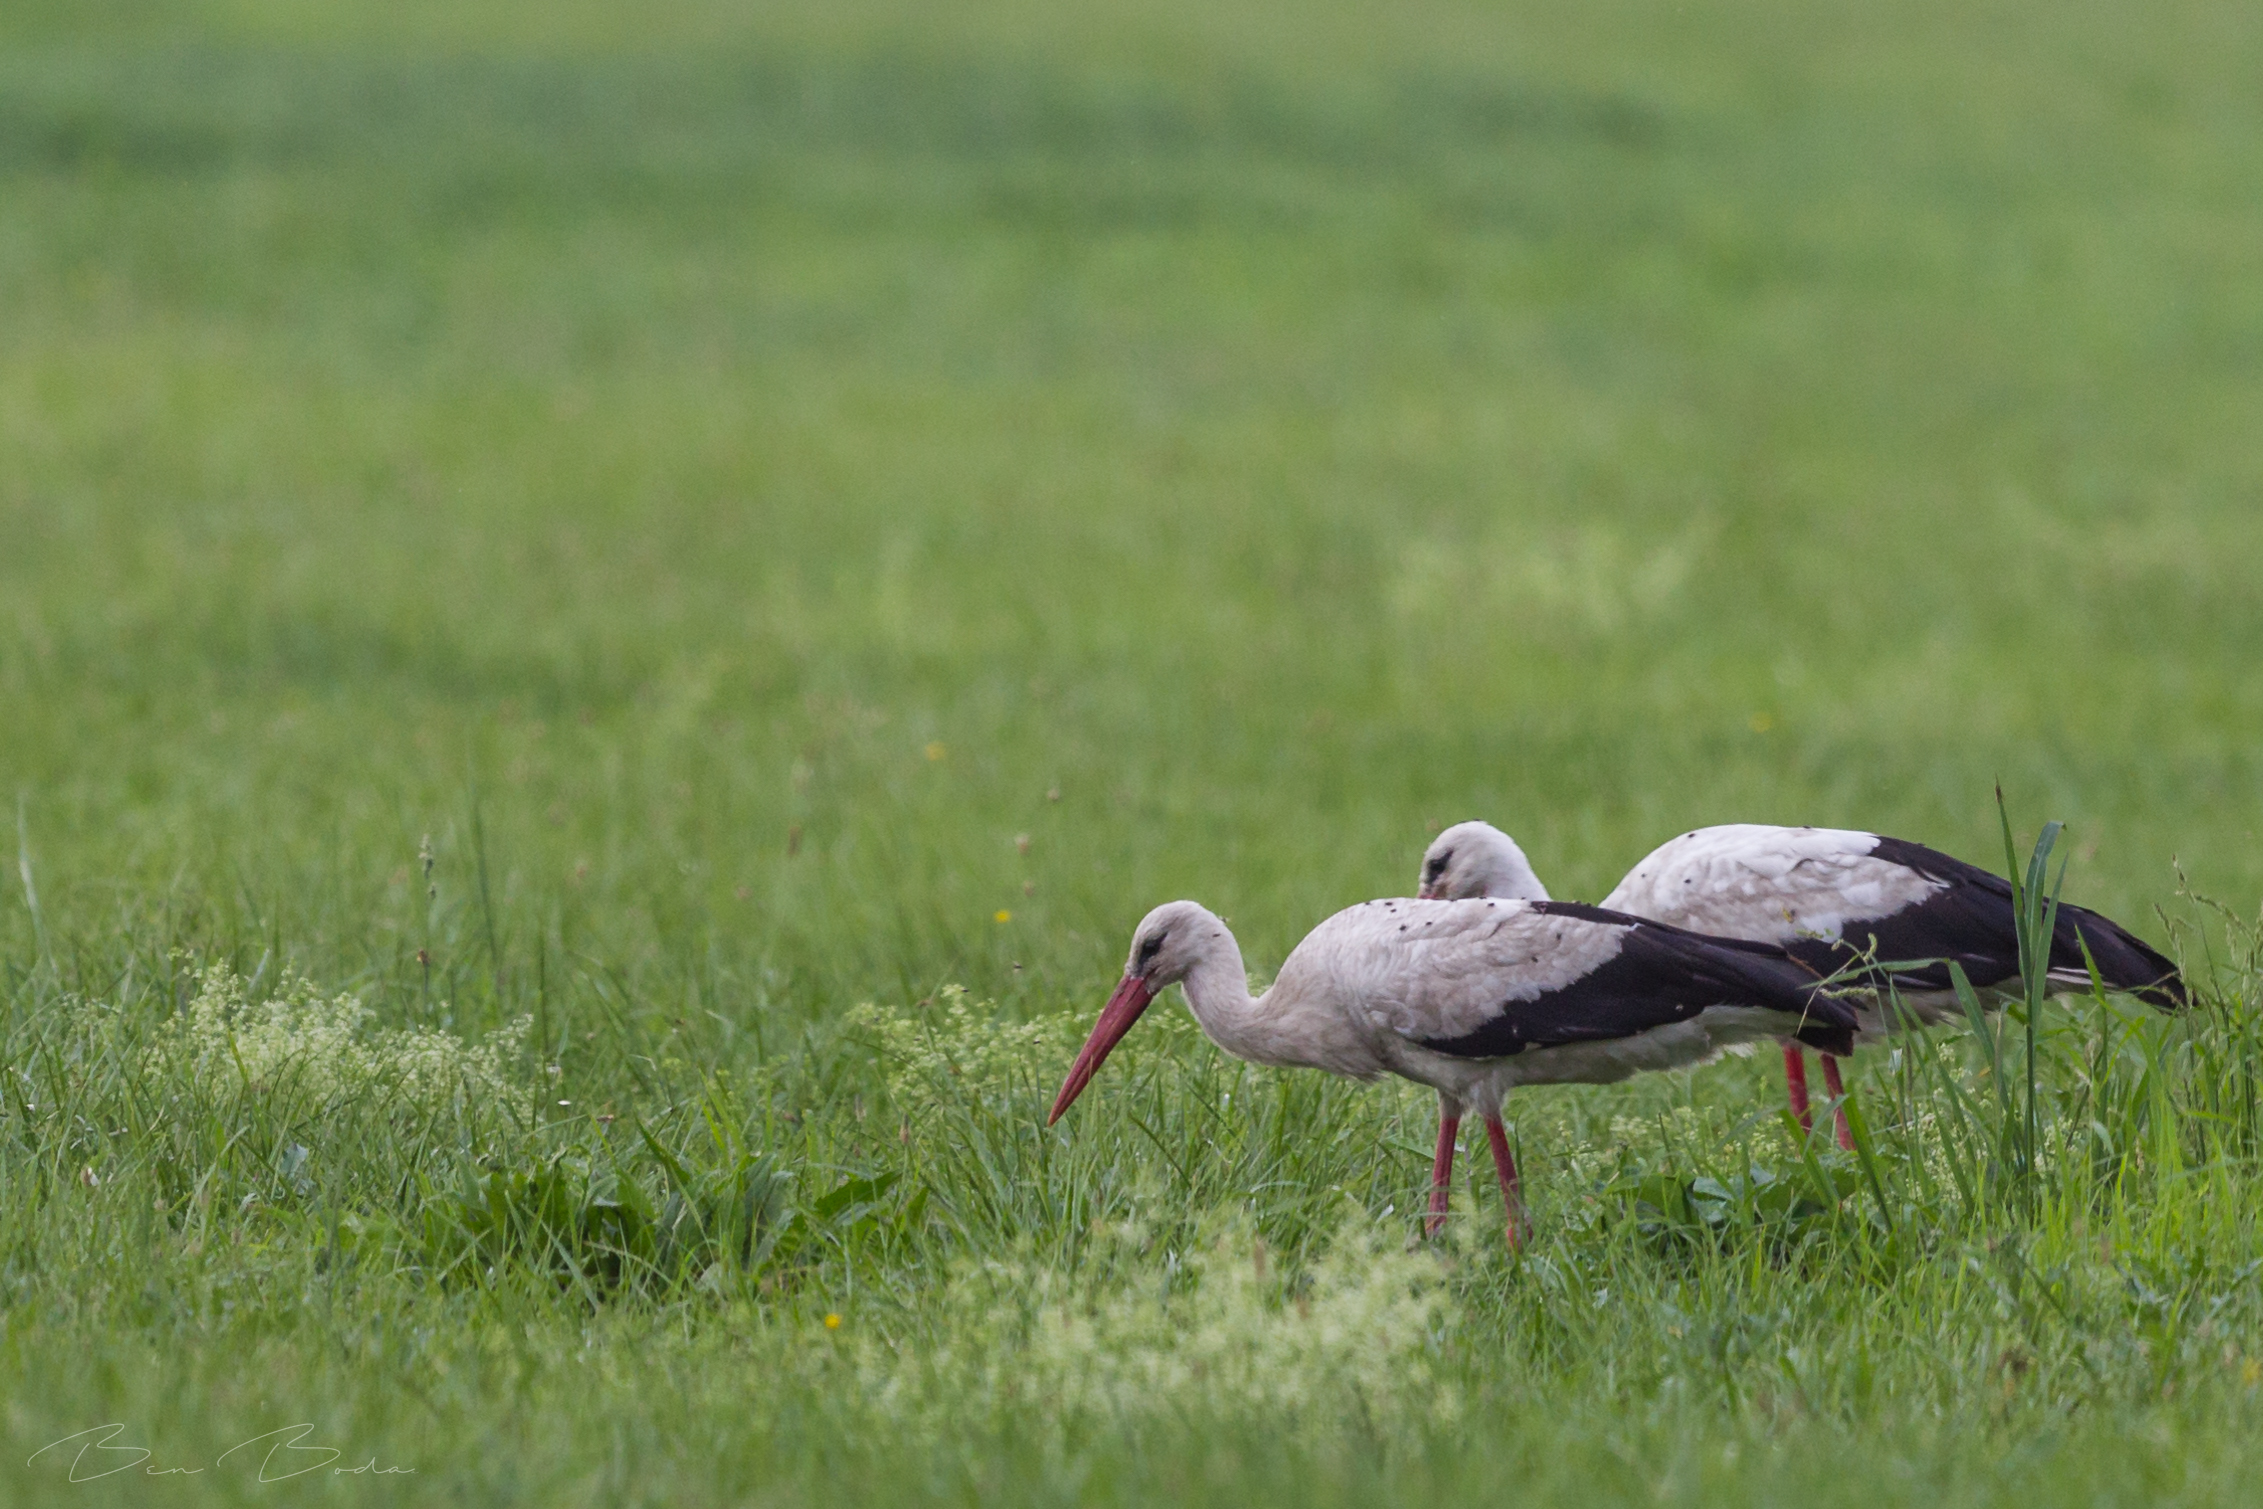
[1471, 998]
[1834, 899]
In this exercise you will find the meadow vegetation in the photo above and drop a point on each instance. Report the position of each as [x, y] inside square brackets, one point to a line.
[608, 616]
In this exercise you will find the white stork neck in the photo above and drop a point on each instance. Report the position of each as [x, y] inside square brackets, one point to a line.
[1285, 1027]
[1217, 990]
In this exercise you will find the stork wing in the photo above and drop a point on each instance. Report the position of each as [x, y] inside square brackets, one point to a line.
[1489, 979]
[1772, 885]
[1970, 918]
[1837, 899]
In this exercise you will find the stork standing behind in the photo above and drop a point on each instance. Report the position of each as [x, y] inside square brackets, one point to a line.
[1834, 899]
[1471, 998]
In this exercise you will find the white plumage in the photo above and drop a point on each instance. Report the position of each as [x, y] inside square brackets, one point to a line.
[1745, 880]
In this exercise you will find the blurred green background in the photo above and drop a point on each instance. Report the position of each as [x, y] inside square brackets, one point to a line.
[613, 440]
[676, 520]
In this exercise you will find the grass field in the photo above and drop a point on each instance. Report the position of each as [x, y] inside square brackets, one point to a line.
[648, 546]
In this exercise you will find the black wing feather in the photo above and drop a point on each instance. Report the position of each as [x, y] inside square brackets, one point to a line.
[1661, 975]
[1972, 921]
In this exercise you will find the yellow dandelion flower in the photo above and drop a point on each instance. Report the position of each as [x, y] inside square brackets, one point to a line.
[936, 751]
[832, 1321]
[1003, 916]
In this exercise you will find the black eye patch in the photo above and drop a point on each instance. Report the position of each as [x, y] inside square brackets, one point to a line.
[1150, 948]
[1437, 865]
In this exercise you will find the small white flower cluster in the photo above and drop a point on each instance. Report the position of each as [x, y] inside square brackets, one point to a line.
[298, 1043]
[1360, 1339]
[957, 1049]
[1673, 1130]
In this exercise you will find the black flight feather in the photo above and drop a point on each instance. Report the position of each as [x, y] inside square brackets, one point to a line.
[1971, 920]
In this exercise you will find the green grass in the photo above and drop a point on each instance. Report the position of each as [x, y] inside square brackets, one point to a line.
[716, 481]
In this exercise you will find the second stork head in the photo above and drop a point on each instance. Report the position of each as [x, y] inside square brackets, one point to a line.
[1478, 859]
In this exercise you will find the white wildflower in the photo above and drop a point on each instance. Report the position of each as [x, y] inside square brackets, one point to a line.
[1360, 1339]
[298, 1043]
[956, 1050]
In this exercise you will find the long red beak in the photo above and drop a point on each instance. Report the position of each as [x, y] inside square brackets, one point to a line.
[1116, 1018]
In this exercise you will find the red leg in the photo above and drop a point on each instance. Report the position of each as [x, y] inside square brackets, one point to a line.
[1441, 1173]
[1839, 1095]
[1795, 1081]
[1506, 1166]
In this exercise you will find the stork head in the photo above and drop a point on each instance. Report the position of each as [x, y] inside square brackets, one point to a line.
[1170, 941]
[1478, 859]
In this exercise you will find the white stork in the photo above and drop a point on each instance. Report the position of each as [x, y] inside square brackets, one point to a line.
[1471, 998]
[1832, 899]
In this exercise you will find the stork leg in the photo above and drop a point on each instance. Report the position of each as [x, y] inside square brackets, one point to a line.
[1505, 1165]
[1442, 1170]
[1839, 1099]
[1795, 1082]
